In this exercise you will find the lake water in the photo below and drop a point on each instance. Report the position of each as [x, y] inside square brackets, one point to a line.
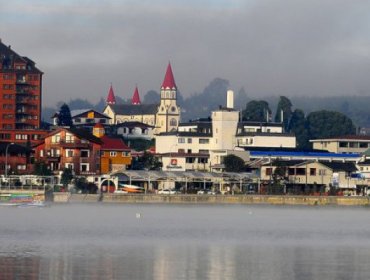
[99, 241]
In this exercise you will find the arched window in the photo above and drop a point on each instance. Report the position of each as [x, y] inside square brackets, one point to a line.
[173, 109]
[173, 122]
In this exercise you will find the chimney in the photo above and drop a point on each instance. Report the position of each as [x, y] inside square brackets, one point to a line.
[230, 99]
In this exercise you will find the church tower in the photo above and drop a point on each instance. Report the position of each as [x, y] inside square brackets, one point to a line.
[111, 99]
[168, 116]
[135, 100]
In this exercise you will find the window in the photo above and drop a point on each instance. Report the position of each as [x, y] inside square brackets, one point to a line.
[41, 153]
[84, 153]
[69, 138]
[268, 171]
[363, 145]
[69, 153]
[189, 151]
[84, 167]
[204, 151]
[173, 122]
[21, 167]
[203, 160]
[113, 154]
[203, 141]
[69, 165]
[190, 140]
[181, 140]
[55, 138]
[312, 171]
[125, 154]
[190, 160]
[77, 120]
[173, 109]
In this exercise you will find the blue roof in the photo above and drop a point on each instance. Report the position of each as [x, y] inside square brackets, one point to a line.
[301, 154]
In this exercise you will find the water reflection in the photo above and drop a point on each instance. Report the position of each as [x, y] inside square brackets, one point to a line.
[177, 242]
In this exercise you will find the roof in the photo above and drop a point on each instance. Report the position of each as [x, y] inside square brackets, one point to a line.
[340, 166]
[84, 114]
[110, 143]
[128, 109]
[254, 123]
[169, 80]
[344, 137]
[111, 99]
[142, 175]
[79, 132]
[136, 97]
[8, 57]
[134, 124]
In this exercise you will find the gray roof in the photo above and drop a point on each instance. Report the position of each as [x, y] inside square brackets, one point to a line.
[128, 109]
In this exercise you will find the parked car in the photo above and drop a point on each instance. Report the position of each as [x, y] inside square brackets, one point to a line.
[167, 191]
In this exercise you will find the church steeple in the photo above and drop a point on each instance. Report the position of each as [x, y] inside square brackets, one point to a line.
[136, 97]
[169, 80]
[111, 99]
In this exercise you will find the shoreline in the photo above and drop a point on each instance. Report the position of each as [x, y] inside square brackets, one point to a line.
[213, 199]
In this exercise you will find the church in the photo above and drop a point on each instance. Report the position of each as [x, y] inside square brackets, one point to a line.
[165, 116]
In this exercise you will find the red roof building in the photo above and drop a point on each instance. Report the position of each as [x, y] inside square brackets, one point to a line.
[136, 97]
[169, 80]
[111, 99]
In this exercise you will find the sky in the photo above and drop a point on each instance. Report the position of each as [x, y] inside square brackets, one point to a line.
[269, 47]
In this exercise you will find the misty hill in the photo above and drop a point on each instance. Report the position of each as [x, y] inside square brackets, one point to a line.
[200, 104]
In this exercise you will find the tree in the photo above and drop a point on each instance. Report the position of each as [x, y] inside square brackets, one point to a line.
[151, 97]
[297, 125]
[256, 111]
[234, 163]
[41, 169]
[64, 117]
[284, 108]
[323, 124]
[150, 162]
[67, 177]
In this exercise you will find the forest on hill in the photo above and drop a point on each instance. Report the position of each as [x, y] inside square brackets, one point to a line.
[200, 104]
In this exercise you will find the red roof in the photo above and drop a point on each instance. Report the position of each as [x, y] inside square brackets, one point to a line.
[113, 144]
[136, 97]
[169, 80]
[111, 99]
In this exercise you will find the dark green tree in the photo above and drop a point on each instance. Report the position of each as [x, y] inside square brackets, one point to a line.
[64, 117]
[41, 169]
[323, 124]
[234, 163]
[150, 162]
[284, 108]
[67, 177]
[151, 97]
[297, 125]
[256, 111]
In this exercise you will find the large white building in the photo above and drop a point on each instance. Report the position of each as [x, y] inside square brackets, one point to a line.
[222, 132]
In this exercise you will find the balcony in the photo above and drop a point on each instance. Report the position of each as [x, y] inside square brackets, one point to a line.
[74, 144]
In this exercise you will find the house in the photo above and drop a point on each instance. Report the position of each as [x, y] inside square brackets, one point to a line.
[114, 153]
[300, 176]
[72, 148]
[135, 130]
[343, 144]
[16, 157]
[164, 116]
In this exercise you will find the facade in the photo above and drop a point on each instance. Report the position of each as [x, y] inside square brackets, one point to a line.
[70, 148]
[16, 157]
[135, 130]
[114, 153]
[164, 117]
[222, 132]
[345, 144]
[314, 176]
[20, 91]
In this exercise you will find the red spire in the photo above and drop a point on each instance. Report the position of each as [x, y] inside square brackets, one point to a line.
[169, 81]
[136, 97]
[111, 99]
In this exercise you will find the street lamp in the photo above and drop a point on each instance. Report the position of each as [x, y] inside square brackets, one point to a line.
[6, 158]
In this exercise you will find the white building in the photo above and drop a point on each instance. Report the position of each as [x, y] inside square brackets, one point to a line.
[221, 132]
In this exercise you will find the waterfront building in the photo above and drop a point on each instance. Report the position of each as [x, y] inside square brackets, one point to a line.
[164, 116]
[343, 144]
[135, 130]
[114, 153]
[16, 157]
[195, 141]
[20, 97]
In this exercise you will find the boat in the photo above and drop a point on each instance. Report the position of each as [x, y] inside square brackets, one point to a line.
[130, 189]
